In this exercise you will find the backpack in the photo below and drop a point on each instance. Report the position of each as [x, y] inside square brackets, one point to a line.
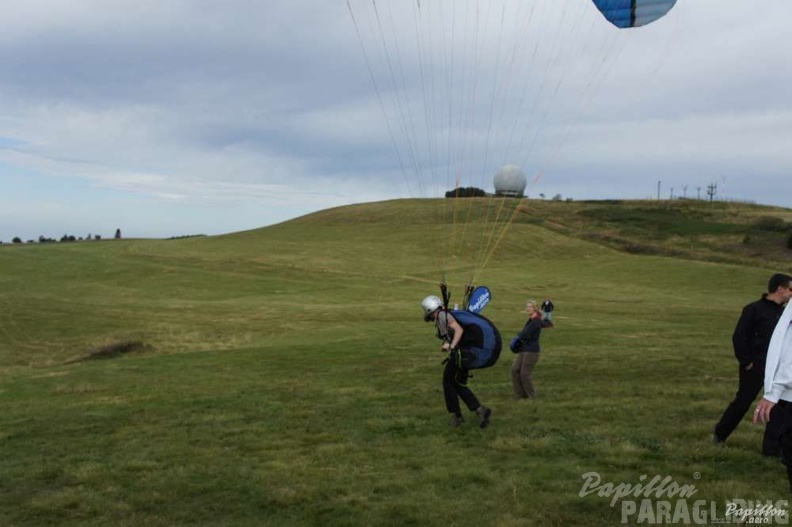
[481, 341]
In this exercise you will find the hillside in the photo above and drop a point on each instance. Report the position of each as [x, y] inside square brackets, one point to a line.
[63, 301]
[719, 231]
[284, 375]
[728, 232]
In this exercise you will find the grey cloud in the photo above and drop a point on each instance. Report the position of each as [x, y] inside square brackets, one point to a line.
[189, 100]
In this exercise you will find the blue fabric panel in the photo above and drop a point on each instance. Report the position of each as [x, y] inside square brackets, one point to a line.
[479, 298]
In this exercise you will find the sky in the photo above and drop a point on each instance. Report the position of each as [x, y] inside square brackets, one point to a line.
[169, 118]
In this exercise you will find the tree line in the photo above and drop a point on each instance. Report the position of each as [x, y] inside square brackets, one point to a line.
[475, 192]
[66, 238]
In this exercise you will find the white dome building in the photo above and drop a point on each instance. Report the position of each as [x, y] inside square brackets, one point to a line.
[510, 181]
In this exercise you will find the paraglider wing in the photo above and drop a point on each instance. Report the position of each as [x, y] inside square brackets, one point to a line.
[633, 13]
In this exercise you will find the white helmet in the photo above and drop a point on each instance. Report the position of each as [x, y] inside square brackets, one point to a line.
[431, 304]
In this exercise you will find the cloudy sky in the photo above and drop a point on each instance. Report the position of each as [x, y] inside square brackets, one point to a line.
[166, 117]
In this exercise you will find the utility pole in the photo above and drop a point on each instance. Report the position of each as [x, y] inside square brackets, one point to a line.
[712, 190]
[698, 192]
[671, 194]
[684, 192]
[658, 191]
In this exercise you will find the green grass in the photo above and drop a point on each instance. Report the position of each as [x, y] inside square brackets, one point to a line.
[287, 379]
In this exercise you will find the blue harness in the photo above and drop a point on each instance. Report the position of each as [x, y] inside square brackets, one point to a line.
[481, 341]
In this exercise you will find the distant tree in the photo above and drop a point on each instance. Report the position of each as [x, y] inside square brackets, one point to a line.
[186, 236]
[17, 239]
[118, 234]
[465, 192]
[557, 197]
[542, 196]
[97, 236]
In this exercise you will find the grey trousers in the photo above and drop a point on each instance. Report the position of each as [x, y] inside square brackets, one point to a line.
[522, 374]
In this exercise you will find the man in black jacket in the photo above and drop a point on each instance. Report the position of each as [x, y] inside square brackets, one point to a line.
[547, 311]
[751, 338]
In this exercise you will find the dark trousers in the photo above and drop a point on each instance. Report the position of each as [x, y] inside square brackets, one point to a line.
[751, 383]
[455, 386]
[785, 438]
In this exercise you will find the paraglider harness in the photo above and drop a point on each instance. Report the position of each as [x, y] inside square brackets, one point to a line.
[481, 342]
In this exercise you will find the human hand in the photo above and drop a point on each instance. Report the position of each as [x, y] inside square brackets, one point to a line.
[762, 412]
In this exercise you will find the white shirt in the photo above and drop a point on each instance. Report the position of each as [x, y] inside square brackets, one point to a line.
[778, 368]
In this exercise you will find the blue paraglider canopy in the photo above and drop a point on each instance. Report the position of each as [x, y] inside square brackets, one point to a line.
[633, 13]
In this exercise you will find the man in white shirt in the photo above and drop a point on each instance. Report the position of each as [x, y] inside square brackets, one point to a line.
[778, 385]
[751, 339]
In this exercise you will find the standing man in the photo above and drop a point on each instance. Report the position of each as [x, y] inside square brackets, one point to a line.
[751, 338]
[778, 387]
[547, 311]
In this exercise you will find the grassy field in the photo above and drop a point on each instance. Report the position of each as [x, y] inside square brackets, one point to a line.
[283, 376]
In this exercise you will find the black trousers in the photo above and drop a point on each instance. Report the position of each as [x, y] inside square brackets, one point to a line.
[455, 378]
[751, 383]
[785, 439]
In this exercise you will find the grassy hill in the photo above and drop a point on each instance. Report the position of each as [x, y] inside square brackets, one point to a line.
[718, 231]
[283, 376]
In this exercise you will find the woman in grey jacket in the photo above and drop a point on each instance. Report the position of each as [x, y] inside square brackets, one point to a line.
[527, 353]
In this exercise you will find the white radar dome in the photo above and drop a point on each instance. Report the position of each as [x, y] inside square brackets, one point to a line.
[510, 181]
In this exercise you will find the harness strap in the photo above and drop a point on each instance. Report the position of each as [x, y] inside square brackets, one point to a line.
[445, 294]
[468, 291]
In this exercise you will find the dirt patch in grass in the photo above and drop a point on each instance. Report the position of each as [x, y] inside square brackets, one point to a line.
[117, 349]
[114, 350]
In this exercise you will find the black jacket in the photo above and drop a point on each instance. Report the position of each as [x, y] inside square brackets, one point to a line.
[754, 329]
[529, 335]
